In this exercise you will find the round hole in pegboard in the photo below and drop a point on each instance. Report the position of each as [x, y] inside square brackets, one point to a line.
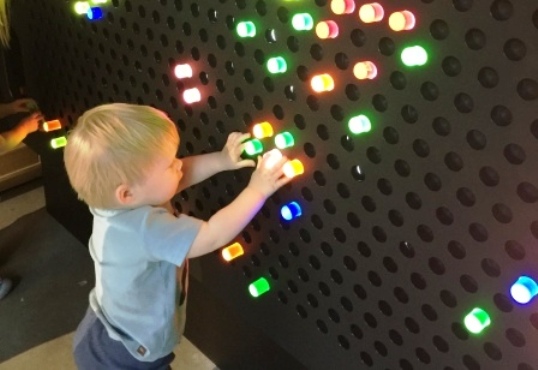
[360, 292]
[316, 52]
[310, 151]
[313, 103]
[492, 351]
[312, 300]
[289, 92]
[412, 325]
[364, 249]
[436, 266]
[409, 113]
[366, 358]
[402, 168]
[448, 298]
[341, 61]
[379, 234]
[501, 10]
[292, 287]
[396, 218]
[337, 112]
[352, 92]
[324, 289]
[322, 327]
[368, 203]
[353, 220]
[395, 337]
[429, 91]
[451, 66]
[358, 37]
[528, 89]
[441, 126]
[464, 103]
[433, 182]
[374, 155]
[314, 262]
[268, 84]
[440, 344]
[514, 250]
[293, 44]
[380, 348]
[490, 267]
[398, 80]
[439, 29]
[502, 213]
[282, 297]
[401, 295]
[323, 133]
[239, 49]
[514, 154]
[307, 194]
[516, 338]
[385, 308]
[478, 232]
[503, 303]
[370, 320]
[471, 363]
[489, 176]
[429, 312]
[476, 139]
[418, 281]
[380, 102]
[413, 200]
[282, 14]
[384, 186]
[423, 356]
[515, 49]
[453, 161]
[459, 331]
[527, 192]
[301, 311]
[390, 265]
[488, 77]
[386, 46]
[343, 191]
[468, 283]
[248, 75]
[466, 197]
[475, 39]
[356, 331]
[421, 148]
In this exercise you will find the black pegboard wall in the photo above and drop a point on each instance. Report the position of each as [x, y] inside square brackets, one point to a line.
[384, 264]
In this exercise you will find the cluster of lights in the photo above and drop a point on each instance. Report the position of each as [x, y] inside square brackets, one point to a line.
[184, 71]
[90, 9]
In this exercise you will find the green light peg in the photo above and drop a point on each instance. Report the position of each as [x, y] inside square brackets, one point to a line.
[277, 65]
[414, 56]
[302, 22]
[58, 142]
[359, 124]
[81, 7]
[284, 140]
[477, 320]
[246, 29]
[259, 287]
[253, 147]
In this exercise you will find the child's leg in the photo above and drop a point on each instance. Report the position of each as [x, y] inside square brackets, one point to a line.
[94, 349]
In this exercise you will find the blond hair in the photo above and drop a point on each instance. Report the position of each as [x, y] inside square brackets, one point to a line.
[115, 144]
[4, 23]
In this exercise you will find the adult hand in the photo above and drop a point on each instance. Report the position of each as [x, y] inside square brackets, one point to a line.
[22, 105]
[31, 123]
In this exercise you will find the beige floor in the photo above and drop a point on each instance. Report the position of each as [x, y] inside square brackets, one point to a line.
[56, 354]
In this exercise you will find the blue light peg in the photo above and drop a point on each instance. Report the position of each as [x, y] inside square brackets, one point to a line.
[290, 211]
[94, 13]
[524, 289]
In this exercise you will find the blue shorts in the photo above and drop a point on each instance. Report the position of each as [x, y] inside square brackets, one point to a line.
[94, 349]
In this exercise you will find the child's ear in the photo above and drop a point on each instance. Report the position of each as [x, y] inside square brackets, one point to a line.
[124, 195]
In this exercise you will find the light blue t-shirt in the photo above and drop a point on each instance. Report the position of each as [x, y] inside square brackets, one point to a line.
[137, 254]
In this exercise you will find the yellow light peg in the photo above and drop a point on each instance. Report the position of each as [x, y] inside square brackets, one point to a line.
[293, 168]
[263, 129]
[370, 13]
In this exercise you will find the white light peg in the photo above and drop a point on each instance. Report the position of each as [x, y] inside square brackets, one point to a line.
[272, 157]
[183, 71]
[192, 95]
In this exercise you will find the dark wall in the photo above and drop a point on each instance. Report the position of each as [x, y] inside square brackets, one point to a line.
[382, 267]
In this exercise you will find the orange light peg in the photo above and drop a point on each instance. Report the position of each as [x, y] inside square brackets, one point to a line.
[321, 83]
[370, 13]
[342, 6]
[365, 70]
[263, 129]
[183, 71]
[400, 21]
[232, 252]
[192, 95]
[293, 168]
[327, 30]
[52, 125]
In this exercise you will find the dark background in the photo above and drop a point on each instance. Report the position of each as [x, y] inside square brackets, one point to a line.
[381, 269]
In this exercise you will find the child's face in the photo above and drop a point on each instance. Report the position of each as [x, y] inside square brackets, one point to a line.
[162, 180]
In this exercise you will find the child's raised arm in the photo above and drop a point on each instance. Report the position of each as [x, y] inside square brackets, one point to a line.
[224, 225]
[197, 168]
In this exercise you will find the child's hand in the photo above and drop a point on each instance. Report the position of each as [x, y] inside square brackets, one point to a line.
[268, 179]
[22, 105]
[232, 152]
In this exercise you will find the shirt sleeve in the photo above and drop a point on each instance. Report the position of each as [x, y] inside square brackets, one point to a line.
[169, 238]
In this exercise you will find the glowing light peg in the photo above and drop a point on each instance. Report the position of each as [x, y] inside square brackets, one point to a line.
[81, 7]
[52, 125]
[94, 13]
[402, 21]
[370, 13]
[284, 140]
[302, 22]
[477, 320]
[277, 65]
[290, 211]
[183, 71]
[259, 287]
[327, 30]
[293, 168]
[272, 157]
[99, 1]
[192, 95]
[253, 147]
[232, 252]
[263, 129]
[321, 83]
[58, 142]
[414, 56]
[342, 6]
[365, 70]
[359, 124]
[524, 289]
[245, 29]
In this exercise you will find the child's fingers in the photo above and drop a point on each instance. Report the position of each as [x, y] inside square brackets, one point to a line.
[246, 163]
